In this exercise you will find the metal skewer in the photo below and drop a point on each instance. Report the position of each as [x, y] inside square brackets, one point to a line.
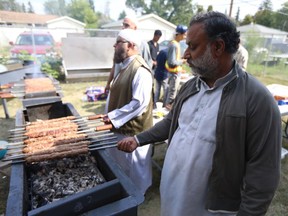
[74, 118]
[103, 145]
[93, 136]
[86, 124]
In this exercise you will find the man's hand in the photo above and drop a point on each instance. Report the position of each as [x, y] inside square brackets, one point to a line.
[106, 119]
[107, 88]
[128, 144]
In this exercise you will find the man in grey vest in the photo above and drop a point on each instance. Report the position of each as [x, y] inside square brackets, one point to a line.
[130, 106]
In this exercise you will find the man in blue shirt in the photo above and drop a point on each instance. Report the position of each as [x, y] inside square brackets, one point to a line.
[161, 76]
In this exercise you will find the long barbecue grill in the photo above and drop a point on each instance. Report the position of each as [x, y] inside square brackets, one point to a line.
[103, 190]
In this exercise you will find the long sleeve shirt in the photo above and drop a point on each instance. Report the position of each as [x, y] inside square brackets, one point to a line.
[142, 86]
[172, 55]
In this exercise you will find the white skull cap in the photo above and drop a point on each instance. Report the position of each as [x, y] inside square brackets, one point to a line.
[131, 36]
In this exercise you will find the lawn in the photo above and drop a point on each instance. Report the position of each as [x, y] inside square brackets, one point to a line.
[74, 92]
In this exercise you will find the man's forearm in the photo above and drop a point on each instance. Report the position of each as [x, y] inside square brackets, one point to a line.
[159, 132]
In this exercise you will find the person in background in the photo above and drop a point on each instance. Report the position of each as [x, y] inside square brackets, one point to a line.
[241, 56]
[174, 64]
[161, 76]
[130, 107]
[223, 158]
[154, 47]
[130, 23]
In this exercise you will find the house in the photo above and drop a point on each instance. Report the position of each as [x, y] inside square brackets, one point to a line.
[13, 23]
[18, 19]
[269, 37]
[147, 24]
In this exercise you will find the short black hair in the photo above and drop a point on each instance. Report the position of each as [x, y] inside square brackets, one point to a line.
[158, 32]
[218, 25]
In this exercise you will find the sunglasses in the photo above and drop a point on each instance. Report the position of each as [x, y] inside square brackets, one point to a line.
[125, 25]
[120, 41]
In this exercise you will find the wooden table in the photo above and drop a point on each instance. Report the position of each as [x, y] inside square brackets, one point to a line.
[4, 96]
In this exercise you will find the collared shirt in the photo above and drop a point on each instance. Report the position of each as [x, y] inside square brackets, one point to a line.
[141, 94]
[188, 161]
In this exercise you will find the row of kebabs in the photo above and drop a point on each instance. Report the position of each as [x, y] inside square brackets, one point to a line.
[38, 84]
[58, 138]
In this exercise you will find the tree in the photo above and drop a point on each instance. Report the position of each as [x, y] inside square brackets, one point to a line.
[247, 20]
[265, 15]
[62, 7]
[57, 7]
[23, 8]
[175, 11]
[281, 18]
[266, 5]
[199, 9]
[122, 15]
[30, 8]
[10, 5]
[91, 3]
[237, 15]
[210, 8]
[80, 10]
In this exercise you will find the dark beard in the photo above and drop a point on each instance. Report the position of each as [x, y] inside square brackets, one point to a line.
[119, 56]
[204, 66]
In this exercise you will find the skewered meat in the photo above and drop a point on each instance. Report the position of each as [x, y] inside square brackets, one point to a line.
[38, 85]
[59, 148]
[32, 147]
[48, 124]
[69, 153]
[51, 120]
[52, 131]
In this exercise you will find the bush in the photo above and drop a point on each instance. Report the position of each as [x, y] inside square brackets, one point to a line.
[52, 65]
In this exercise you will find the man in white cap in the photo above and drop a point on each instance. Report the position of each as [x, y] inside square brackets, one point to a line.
[130, 107]
[131, 23]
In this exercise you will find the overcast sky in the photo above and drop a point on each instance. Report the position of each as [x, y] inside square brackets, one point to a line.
[117, 6]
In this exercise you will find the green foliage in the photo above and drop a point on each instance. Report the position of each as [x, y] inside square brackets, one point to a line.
[247, 20]
[57, 7]
[52, 65]
[10, 5]
[281, 18]
[4, 55]
[210, 8]
[81, 10]
[176, 11]
[237, 15]
[30, 8]
[266, 5]
[25, 56]
[122, 15]
[253, 41]
[265, 18]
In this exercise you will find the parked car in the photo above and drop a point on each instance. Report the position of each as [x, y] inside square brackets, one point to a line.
[164, 44]
[32, 43]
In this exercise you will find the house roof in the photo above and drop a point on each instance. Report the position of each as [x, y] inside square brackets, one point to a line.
[139, 19]
[23, 18]
[66, 18]
[256, 28]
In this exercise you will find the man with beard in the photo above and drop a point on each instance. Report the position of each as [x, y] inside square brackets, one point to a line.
[223, 157]
[130, 107]
[144, 50]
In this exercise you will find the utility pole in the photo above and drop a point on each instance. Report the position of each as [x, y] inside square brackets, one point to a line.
[231, 6]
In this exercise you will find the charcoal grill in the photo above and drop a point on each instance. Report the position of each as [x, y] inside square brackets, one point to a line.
[117, 196]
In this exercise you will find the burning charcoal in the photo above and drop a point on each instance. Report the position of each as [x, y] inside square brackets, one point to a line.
[56, 179]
